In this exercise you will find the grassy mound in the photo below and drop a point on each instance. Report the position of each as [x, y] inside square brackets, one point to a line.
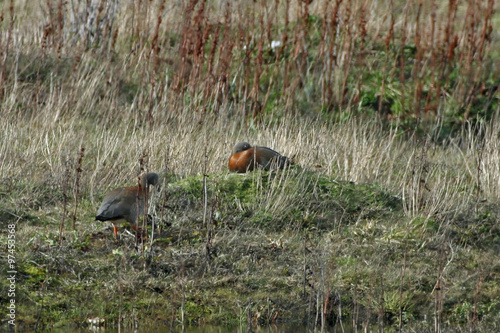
[277, 246]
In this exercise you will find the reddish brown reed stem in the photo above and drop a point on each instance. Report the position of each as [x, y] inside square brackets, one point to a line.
[164, 195]
[139, 230]
[487, 30]
[210, 77]
[185, 49]
[347, 50]
[79, 171]
[387, 42]
[254, 93]
[200, 31]
[404, 28]
[153, 53]
[418, 63]
[225, 59]
[65, 184]
[4, 53]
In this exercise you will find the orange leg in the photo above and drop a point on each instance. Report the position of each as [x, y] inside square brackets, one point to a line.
[115, 229]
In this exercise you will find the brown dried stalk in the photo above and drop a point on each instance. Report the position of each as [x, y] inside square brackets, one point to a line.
[79, 171]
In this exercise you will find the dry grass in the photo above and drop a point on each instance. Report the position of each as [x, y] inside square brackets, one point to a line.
[427, 175]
